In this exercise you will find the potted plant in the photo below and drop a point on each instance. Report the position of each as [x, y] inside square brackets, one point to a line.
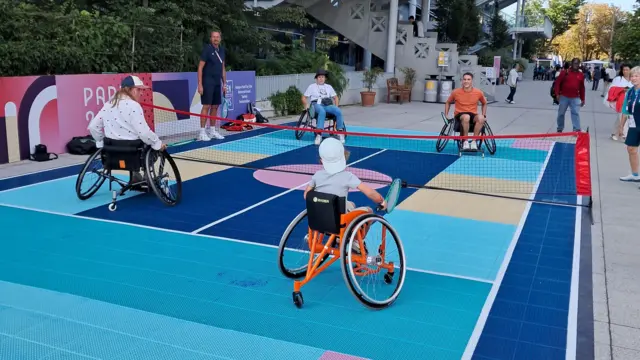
[409, 79]
[369, 78]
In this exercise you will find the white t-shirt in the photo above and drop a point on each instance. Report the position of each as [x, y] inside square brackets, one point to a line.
[611, 73]
[123, 122]
[318, 92]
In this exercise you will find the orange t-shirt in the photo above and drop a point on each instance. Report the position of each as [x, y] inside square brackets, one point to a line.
[467, 102]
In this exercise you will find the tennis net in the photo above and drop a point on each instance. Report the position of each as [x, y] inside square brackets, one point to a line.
[552, 168]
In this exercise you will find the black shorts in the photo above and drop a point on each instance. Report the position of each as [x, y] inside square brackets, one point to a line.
[471, 115]
[633, 137]
[211, 94]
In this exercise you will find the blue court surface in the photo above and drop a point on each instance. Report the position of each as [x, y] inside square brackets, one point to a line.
[488, 278]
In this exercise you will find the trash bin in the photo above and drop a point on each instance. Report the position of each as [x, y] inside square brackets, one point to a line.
[446, 86]
[431, 90]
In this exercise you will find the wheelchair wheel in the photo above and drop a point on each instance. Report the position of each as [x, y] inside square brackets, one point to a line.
[373, 261]
[303, 123]
[92, 174]
[447, 130]
[489, 143]
[163, 176]
[295, 246]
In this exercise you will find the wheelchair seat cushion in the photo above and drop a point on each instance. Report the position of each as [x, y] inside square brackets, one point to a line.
[122, 154]
[324, 212]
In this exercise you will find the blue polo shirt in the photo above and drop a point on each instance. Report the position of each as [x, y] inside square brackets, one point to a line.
[213, 58]
[631, 105]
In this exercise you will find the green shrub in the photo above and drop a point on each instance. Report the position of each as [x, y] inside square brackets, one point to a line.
[288, 102]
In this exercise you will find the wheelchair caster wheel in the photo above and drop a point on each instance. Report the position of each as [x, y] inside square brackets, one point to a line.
[298, 301]
[112, 207]
[388, 278]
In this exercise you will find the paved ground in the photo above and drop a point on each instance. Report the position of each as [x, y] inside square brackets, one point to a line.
[616, 254]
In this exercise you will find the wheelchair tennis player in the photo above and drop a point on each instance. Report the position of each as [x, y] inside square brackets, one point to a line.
[122, 118]
[466, 109]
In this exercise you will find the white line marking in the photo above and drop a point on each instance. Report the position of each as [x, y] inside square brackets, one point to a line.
[38, 171]
[484, 314]
[451, 275]
[47, 345]
[201, 235]
[271, 198]
[572, 328]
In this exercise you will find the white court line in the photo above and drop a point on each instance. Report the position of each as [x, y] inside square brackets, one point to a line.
[484, 314]
[272, 198]
[38, 171]
[212, 237]
[572, 328]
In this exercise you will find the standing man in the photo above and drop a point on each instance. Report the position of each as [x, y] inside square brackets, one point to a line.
[212, 85]
[512, 81]
[569, 90]
[611, 74]
[412, 21]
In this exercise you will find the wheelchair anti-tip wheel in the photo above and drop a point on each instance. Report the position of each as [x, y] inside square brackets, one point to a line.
[293, 251]
[91, 176]
[163, 176]
[373, 261]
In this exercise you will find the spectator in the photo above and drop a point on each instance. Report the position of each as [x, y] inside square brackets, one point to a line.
[569, 89]
[608, 79]
[512, 81]
[631, 108]
[212, 81]
[413, 22]
[615, 99]
[597, 75]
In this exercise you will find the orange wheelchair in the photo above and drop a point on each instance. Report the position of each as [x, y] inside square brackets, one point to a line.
[324, 233]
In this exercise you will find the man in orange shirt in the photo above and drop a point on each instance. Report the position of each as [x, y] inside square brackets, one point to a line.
[466, 109]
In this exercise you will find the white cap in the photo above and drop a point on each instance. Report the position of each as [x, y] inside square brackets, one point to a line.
[332, 154]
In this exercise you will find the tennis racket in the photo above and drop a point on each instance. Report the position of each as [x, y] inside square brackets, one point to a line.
[224, 108]
[392, 195]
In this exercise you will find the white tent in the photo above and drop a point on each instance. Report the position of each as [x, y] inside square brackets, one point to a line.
[594, 62]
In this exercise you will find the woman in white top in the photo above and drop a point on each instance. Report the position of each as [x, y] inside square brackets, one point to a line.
[619, 85]
[326, 102]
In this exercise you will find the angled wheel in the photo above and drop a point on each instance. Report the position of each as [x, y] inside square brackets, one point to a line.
[163, 176]
[490, 143]
[91, 176]
[447, 130]
[293, 250]
[303, 123]
[373, 261]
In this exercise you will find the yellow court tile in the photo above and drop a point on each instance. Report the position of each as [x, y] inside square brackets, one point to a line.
[220, 156]
[511, 188]
[193, 169]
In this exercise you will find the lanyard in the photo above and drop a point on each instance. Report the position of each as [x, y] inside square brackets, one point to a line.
[216, 52]
[636, 92]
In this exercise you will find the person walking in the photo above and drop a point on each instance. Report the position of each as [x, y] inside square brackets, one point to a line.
[597, 75]
[512, 81]
[608, 79]
[212, 81]
[570, 92]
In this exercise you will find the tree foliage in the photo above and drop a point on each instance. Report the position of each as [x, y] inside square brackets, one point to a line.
[562, 14]
[92, 36]
[627, 37]
[499, 37]
[458, 22]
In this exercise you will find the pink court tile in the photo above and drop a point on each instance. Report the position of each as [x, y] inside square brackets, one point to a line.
[278, 175]
[532, 144]
[330, 355]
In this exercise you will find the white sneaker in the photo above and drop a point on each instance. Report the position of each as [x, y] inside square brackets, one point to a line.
[631, 177]
[318, 139]
[614, 138]
[203, 136]
[474, 145]
[214, 134]
[341, 137]
[465, 145]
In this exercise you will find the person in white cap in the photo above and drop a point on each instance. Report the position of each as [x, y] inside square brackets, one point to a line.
[122, 118]
[334, 179]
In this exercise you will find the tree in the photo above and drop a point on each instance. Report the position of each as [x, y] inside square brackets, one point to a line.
[627, 38]
[588, 38]
[499, 29]
[458, 22]
[534, 11]
[562, 14]
[604, 19]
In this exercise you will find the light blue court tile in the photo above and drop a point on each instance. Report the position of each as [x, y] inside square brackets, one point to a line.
[496, 168]
[60, 196]
[14, 321]
[383, 131]
[270, 144]
[65, 355]
[55, 333]
[457, 246]
[13, 348]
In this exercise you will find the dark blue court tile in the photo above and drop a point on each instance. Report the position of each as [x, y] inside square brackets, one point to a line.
[508, 309]
[568, 227]
[554, 262]
[543, 335]
[524, 258]
[528, 248]
[565, 234]
[563, 252]
[527, 351]
[552, 286]
[521, 269]
[478, 357]
[532, 238]
[560, 242]
[504, 328]
[550, 300]
[513, 293]
[546, 316]
[544, 272]
[495, 347]
[511, 279]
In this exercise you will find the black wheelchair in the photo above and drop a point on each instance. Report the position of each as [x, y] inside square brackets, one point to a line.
[324, 233]
[452, 128]
[132, 156]
[308, 120]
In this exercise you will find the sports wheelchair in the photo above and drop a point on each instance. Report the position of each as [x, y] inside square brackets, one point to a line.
[324, 233]
[308, 120]
[131, 156]
[452, 128]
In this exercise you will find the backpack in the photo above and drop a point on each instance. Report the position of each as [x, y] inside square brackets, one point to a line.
[82, 145]
[260, 119]
[41, 154]
[236, 126]
[552, 91]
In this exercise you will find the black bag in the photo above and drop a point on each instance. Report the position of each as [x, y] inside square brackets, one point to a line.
[82, 145]
[41, 154]
[326, 101]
